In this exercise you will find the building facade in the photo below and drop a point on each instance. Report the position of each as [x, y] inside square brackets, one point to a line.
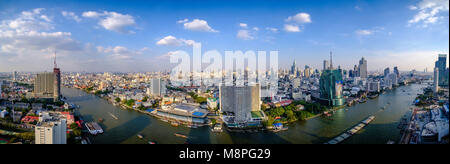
[330, 86]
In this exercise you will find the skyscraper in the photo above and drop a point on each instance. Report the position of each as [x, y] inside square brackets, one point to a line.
[51, 129]
[386, 72]
[14, 76]
[330, 86]
[57, 82]
[293, 67]
[240, 100]
[326, 65]
[362, 68]
[396, 72]
[441, 64]
[157, 87]
[44, 85]
[436, 80]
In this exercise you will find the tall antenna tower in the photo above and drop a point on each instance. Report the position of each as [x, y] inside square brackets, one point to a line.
[54, 62]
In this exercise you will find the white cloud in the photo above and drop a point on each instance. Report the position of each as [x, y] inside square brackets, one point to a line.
[71, 15]
[198, 25]
[300, 18]
[173, 41]
[358, 8]
[92, 14]
[113, 21]
[244, 35]
[243, 25]
[272, 29]
[364, 32]
[256, 28]
[183, 20]
[429, 12]
[291, 28]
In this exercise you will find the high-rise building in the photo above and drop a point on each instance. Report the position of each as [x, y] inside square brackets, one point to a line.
[386, 72]
[57, 82]
[14, 76]
[441, 64]
[396, 72]
[436, 80]
[374, 86]
[331, 86]
[157, 87]
[51, 129]
[44, 85]
[326, 65]
[362, 68]
[293, 68]
[242, 101]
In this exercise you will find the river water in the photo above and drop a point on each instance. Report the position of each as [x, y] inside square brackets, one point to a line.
[317, 130]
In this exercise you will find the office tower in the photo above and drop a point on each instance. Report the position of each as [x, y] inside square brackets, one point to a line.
[296, 83]
[44, 85]
[293, 67]
[51, 129]
[242, 101]
[396, 72]
[374, 86]
[386, 72]
[436, 80]
[355, 71]
[392, 77]
[57, 82]
[326, 65]
[14, 76]
[362, 69]
[331, 85]
[157, 87]
[1, 84]
[441, 64]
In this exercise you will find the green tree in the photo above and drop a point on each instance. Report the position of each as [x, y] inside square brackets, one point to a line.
[117, 100]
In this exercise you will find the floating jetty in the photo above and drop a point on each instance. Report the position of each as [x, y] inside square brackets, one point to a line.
[94, 128]
[352, 131]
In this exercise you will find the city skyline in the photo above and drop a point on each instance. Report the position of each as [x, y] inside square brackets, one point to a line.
[139, 36]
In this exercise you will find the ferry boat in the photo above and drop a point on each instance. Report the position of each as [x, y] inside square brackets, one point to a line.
[94, 128]
[180, 135]
[140, 136]
[151, 142]
[217, 128]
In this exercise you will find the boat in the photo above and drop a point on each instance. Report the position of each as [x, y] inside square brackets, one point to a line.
[113, 116]
[100, 120]
[390, 142]
[151, 142]
[174, 124]
[180, 135]
[217, 128]
[140, 136]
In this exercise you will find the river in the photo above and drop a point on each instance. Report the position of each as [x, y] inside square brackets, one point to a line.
[316, 131]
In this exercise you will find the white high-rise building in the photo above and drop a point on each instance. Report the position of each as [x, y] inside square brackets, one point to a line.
[1, 84]
[157, 87]
[362, 68]
[51, 129]
[436, 80]
[374, 86]
[240, 100]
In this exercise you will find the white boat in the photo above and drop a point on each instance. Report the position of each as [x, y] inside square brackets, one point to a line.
[94, 128]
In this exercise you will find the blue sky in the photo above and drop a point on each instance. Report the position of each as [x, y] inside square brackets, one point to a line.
[139, 35]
